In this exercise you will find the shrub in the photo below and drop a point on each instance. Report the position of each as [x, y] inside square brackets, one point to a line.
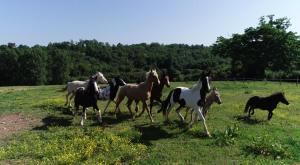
[228, 136]
[267, 146]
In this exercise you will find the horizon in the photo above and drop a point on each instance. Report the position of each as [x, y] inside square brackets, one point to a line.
[130, 22]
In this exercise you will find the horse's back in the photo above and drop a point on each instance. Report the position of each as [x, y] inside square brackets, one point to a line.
[73, 85]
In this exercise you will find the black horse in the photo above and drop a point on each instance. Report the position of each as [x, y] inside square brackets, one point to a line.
[265, 103]
[87, 98]
[112, 90]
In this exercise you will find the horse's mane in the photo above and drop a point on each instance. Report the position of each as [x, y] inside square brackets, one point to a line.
[198, 85]
[148, 73]
[277, 94]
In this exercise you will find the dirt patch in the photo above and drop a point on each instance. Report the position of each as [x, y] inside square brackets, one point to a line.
[13, 123]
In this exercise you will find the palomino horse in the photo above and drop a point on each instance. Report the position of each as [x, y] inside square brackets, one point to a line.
[87, 97]
[188, 97]
[156, 92]
[265, 103]
[138, 92]
[73, 85]
[212, 97]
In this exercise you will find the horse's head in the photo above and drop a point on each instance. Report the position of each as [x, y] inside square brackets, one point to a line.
[283, 99]
[216, 95]
[92, 86]
[120, 82]
[165, 80]
[152, 76]
[100, 78]
[205, 82]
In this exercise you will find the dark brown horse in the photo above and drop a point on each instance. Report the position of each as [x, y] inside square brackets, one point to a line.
[156, 92]
[265, 103]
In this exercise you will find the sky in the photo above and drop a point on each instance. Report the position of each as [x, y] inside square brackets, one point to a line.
[31, 22]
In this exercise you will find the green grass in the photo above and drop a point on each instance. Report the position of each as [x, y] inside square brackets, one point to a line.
[236, 139]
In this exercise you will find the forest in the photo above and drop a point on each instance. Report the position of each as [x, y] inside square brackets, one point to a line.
[269, 50]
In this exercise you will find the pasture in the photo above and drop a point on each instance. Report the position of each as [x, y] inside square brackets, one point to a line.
[57, 137]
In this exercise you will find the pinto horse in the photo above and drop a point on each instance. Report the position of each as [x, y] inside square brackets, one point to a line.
[138, 92]
[72, 86]
[212, 97]
[188, 97]
[268, 103]
[87, 97]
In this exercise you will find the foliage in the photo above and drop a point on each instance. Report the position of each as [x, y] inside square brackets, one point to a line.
[228, 137]
[72, 145]
[267, 146]
[269, 46]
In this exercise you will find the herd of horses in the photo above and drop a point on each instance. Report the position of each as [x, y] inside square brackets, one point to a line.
[197, 100]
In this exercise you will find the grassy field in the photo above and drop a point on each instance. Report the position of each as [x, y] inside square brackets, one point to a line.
[236, 139]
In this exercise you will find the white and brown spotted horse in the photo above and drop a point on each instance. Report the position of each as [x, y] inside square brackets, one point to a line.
[188, 97]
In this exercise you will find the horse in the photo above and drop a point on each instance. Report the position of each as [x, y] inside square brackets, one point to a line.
[156, 92]
[73, 85]
[213, 97]
[87, 97]
[138, 92]
[112, 90]
[268, 103]
[188, 97]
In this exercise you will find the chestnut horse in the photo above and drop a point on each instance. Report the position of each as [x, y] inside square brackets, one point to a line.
[156, 92]
[138, 92]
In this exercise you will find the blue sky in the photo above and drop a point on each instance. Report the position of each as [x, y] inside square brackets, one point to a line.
[33, 22]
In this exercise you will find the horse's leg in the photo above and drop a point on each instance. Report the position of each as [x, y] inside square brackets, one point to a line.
[145, 106]
[82, 115]
[198, 110]
[178, 113]
[252, 111]
[136, 106]
[168, 111]
[142, 110]
[98, 113]
[106, 106]
[85, 113]
[129, 102]
[119, 100]
[270, 115]
[67, 98]
[186, 113]
[249, 112]
[151, 104]
[72, 95]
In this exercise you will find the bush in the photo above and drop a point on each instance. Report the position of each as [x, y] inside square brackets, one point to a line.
[72, 145]
[228, 137]
[267, 146]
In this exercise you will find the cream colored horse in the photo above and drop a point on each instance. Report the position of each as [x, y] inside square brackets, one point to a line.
[212, 97]
[73, 85]
[138, 92]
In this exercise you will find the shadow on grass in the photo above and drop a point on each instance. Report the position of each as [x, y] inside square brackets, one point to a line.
[63, 109]
[151, 133]
[54, 121]
[248, 120]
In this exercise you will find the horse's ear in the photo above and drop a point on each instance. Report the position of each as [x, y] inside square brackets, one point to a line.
[151, 70]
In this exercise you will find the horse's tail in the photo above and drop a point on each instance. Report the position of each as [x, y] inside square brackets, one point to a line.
[249, 102]
[166, 103]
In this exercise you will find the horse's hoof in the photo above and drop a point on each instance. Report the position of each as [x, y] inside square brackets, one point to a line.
[208, 134]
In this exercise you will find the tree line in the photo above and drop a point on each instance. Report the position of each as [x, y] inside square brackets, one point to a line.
[267, 50]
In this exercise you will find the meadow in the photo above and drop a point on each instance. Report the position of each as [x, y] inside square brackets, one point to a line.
[236, 139]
